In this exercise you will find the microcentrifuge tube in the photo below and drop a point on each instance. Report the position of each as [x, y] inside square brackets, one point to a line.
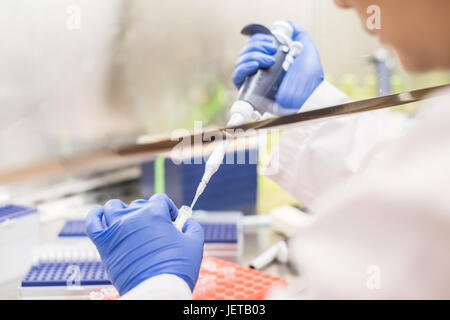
[184, 214]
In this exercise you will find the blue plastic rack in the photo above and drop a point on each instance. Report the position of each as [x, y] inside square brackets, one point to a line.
[220, 232]
[73, 228]
[12, 211]
[59, 273]
[214, 232]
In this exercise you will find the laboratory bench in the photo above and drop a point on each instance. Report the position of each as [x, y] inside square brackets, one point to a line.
[256, 240]
[72, 198]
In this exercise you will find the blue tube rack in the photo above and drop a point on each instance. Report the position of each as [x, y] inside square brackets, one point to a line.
[12, 211]
[51, 274]
[214, 232]
[73, 228]
[220, 232]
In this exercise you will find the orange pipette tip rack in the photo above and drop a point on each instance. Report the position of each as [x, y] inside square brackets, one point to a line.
[223, 280]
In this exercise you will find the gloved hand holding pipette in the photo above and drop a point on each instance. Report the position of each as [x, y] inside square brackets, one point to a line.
[301, 79]
[276, 72]
[139, 241]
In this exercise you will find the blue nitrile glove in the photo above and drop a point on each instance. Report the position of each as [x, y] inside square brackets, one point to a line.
[302, 78]
[139, 241]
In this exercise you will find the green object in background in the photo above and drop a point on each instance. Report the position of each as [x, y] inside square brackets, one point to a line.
[210, 105]
[271, 195]
[160, 186]
[216, 103]
[397, 83]
[370, 86]
[348, 84]
[329, 78]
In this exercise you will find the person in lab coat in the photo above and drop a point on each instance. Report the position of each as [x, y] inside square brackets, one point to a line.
[378, 183]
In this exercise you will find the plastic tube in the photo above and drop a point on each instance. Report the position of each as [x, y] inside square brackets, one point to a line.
[184, 214]
[279, 252]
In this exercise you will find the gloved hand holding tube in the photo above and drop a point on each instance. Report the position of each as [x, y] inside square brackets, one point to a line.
[139, 241]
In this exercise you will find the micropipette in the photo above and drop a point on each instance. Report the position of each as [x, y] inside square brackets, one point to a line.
[257, 94]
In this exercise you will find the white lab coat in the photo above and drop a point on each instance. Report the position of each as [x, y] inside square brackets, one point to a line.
[378, 184]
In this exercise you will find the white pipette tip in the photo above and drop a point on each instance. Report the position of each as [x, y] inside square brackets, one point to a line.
[201, 187]
[195, 200]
